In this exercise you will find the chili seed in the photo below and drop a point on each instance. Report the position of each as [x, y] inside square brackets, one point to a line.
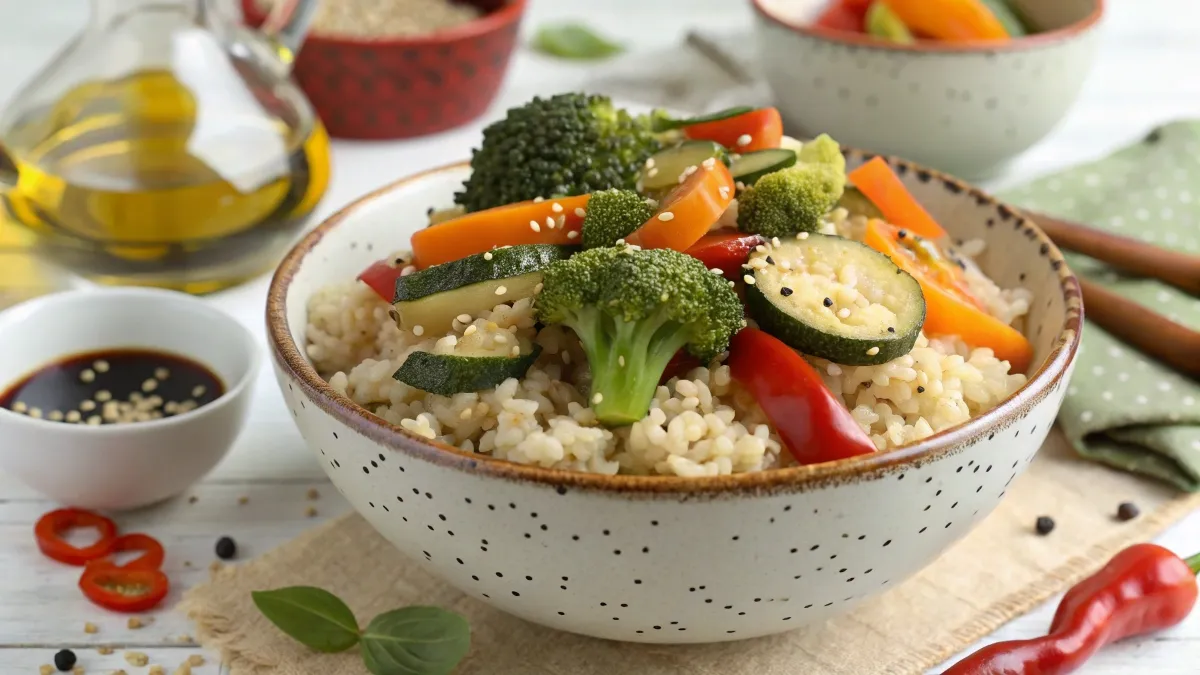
[226, 548]
[1127, 511]
[1045, 525]
[64, 660]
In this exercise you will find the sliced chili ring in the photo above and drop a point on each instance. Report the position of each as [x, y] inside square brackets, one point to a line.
[51, 527]
[123, 589]
[152, 552]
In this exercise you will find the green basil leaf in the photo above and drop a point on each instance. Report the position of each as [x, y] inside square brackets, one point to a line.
[415, 641]
[313, 617]
[573, 41]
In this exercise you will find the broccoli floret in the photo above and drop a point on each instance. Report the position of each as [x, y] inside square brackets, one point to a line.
[612, 215]
[794, 199]
[632, 310]
[568, 144]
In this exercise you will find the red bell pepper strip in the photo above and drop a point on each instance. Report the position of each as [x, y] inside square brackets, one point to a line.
[876, 180]
[124, 589]
[152, 552]
[381, 277]
[811, 420]
[1144, 588]
[679, 365]
[725, 249]
[760, 129]
[51, 527]
[842, 17]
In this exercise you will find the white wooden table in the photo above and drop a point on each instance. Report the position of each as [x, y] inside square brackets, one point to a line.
[1146, 75]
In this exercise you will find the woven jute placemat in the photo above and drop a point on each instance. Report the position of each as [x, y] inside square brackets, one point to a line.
[999, 571]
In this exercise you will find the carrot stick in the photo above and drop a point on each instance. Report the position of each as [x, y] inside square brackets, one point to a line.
[553, 221]
[687, 213]
[876, 180]
[946, 313]
[950, 20]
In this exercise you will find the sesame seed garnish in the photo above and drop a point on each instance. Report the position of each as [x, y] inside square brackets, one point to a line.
[556, 207]
[312, 494]
[100, 366]
[748, 279]
[55, 416]
[500, 339]
[149, 385]
[501, 290]
[469, 331]
[550, 222]
[621, 360]
[487, 255]
[744, 140]
[785, 264]
[649, 162]
[709, 163]
[73, 416]
[161, 373]
[775, 241]
[739, 185]
[534, 226]
[538, 200]
[20, 407]
[872, 351]
[732, 285]
[902, 234]
[802, 236]
[580, 212]
[311, 512]
[87, 406]
[664, 297]
[88, 375]
[572, 234]
[516, 351]
[666, 216]
[620, 242]
[828, 302]
[785, 291]
[597, 398]
[35, 413]
[418, 330]
[198, 391]
[724, 191]
[843, 313]
[717, 270]
[652, 173]
[463, 318]
[94, 421]
[103, 395]
[90, 628]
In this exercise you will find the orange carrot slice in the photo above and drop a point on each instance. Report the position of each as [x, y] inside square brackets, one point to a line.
[760, 129]
[947, 311]
[689, 210]
[553, 221]
[876, 180]
[950, 20]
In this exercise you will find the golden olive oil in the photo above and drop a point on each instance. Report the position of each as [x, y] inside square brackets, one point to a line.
[135, 181]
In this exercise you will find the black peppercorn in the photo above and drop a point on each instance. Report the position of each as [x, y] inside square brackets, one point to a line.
[64, 660]
[785, 291]
[1127, 511]
[1045, 525]
[828, 302]
[226, 548]
[920, 390]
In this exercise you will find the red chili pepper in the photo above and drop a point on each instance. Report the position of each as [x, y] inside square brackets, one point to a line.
[812, 422]
[123, 589]
[152, 552]
[381, 277]
[725, 249]
[1144, 588]
[51, 527]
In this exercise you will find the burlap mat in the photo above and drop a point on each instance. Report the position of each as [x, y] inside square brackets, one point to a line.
[1000, 570]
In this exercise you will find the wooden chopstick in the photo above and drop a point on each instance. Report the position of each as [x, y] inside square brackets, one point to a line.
[1125, 253]
[1175, 345]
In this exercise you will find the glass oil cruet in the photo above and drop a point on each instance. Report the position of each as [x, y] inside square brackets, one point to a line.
[165, 146]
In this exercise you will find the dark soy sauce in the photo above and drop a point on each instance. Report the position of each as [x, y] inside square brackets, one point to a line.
[114, 386]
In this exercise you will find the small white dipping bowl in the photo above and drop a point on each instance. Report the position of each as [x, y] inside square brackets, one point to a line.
[122, 466]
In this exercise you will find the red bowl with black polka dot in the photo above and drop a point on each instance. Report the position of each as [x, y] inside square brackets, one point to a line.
[387, 88]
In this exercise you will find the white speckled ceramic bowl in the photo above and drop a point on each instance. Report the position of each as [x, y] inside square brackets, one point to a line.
[668, 559]
[964, 108]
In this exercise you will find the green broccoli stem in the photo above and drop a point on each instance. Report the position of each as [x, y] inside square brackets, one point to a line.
[627, 359]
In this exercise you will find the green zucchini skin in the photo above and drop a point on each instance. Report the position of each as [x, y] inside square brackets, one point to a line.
[858, 205]
[449, 374]
[432, 297]
[669, 124]
[751, 166]
[817, 330]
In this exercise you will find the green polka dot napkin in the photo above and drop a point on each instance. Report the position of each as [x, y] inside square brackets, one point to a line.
[1123, 408]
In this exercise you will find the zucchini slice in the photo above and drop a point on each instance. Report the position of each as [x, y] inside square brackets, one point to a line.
[668, 124]
[449, 374]
[666, 166]
[751, 166]
[858, 205]
[835, 298]
[432, 297]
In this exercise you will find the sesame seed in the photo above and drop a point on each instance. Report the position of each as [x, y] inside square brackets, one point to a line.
[666, 216]
[73, 416]
[620, 242]
[902, 234]
[652, 173]
[664, 297]
[621, 360]
[463, 318]
[90, 628]
[572, 234]
[760, 248]
[550, 222]
[717, 270]
[748, 279]
[597, 398]
[55, 415]
[534, 226]
[487, 255]
[872, 351]
[35, 413]
[724, 192]
[649, 162]
[418, 330]
[709, 163]
[100, 366]
[94, 421]
[538, 200]
[785, 291]
[802, 236]
[775, 241]
[87, 375]
[103, 395]
[828, 302]
[311, 512]
[732, 285]
[161, 373]
[149, 385]
[501, 290]
[198, 391]
[785, 264]
[516, 351]
[500, 339]
[87, 406]
[740, 185]
[843, 313]
[20, 407]
[744, 140]
[556, 207]
[560, 221]
[580, 212]
[469, 331]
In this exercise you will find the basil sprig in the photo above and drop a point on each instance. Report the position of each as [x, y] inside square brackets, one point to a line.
[408, 641]
[574, 41]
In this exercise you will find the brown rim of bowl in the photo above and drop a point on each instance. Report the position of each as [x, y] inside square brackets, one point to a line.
[290, 357]
[510, 12]
[930, 47]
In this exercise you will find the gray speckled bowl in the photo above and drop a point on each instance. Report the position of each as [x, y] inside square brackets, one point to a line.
[669, 559]
[963, 108]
